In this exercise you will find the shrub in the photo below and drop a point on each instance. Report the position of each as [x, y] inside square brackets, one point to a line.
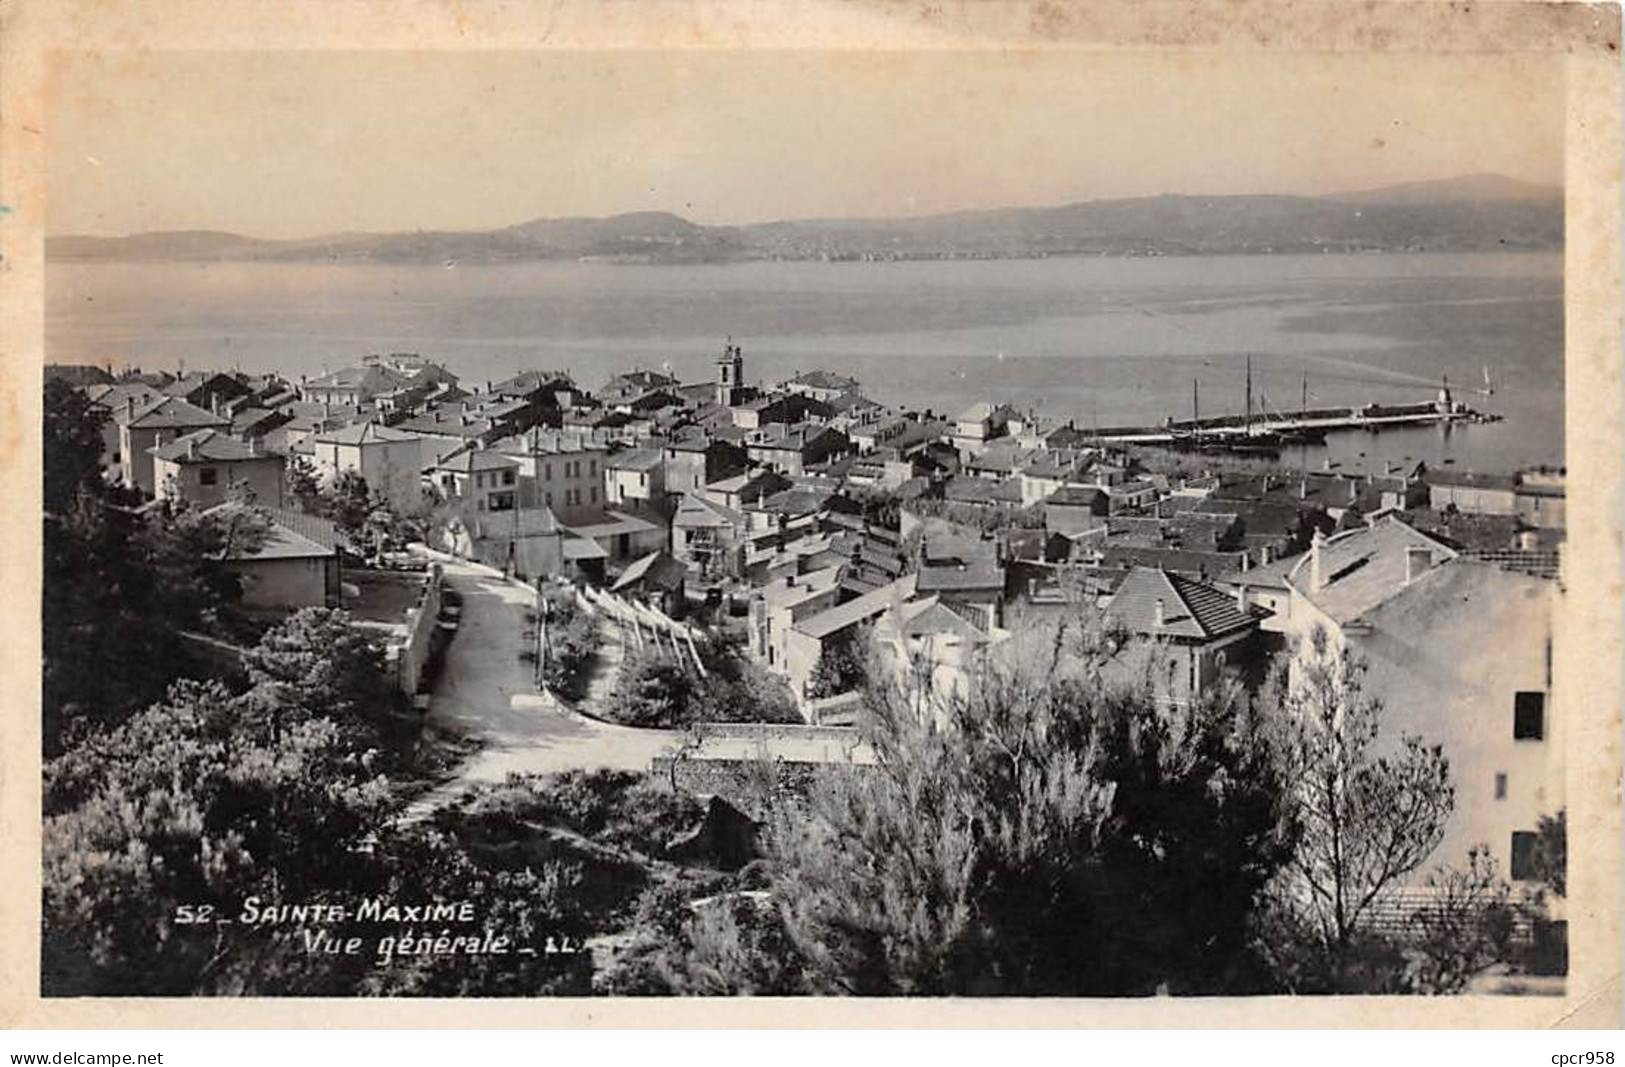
[572, 641]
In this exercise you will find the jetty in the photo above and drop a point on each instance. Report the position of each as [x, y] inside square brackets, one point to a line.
[1270, 431]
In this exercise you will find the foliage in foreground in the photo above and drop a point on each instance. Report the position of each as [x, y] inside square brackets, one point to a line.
[655, 690]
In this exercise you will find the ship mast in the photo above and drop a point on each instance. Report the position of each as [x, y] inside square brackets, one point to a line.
[1248, 424]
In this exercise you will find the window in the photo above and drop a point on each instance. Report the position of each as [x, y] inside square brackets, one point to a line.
[507, 477]
[594, 492]
[1500, 785]
[479, 481]
[549, 499]
[1522, 867]
[1529, 716]
[207, 476]
[547, 472]
[592, 467]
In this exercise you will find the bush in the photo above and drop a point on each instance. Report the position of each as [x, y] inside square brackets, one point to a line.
[572, 641]
[657, 692]
[622, 809]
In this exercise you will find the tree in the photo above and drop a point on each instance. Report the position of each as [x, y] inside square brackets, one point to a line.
[348, 503]
[1552, 852]
[1042, 831]
[730, 944]
[119, 586]
[842, 664]
[303, 488]
[1364, 820]
[73, 445]
[192, 803]
[319, 664]
[1465, 926]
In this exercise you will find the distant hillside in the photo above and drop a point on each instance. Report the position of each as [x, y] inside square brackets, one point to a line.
[1479, 187]
[1470, 214]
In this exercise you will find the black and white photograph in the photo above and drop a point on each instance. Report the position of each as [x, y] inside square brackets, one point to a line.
[707, 522]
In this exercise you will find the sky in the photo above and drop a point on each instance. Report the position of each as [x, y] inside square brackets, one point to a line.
[301, 144]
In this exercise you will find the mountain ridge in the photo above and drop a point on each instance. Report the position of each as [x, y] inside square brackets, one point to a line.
[1470, 213]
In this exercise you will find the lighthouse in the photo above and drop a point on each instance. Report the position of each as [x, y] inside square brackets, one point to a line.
[1444, 405]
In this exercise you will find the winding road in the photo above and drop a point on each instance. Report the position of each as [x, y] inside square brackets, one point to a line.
[488, 693]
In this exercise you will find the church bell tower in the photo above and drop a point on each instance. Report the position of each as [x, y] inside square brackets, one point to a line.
[730, 375]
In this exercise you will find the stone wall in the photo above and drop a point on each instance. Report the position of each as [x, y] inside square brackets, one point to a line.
[750, 785]
[421, 618]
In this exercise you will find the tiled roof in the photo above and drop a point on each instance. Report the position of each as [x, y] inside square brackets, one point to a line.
[363, 433]
[116, 397]
[1362, 568]
[440, 423]
[1178, 560]
[527, 382]
[208, 446]
[930, 618]
[77, 374]
[635, 459]
[865, 607]
[281, 542]
[474, 460]
[261, 420]
[1470, 480]
[657, 569]
[324, 532]
[980, 574]
[1076, 495]
[174, 413]
[373, 378]
[782, 594]
[607, 523]
[1190, 608]
[542, 440]
[695, 512]
[823, 379]
[969, 489]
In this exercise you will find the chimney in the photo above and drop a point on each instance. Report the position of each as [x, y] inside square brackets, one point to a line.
[1160, 615]
[1418, 558]
[1265, 552]
[1241, 598]
[1317, 577]
[129, 408]
[191, 448]
[253, 446]
[1303, 489]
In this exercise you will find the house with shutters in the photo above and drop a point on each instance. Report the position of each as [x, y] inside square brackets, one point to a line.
[558, 469]
[390, 460]
[141, 429]
[1458, 652]
[1187, 633]
[484, 481]
[635, 478]
[209, 467]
